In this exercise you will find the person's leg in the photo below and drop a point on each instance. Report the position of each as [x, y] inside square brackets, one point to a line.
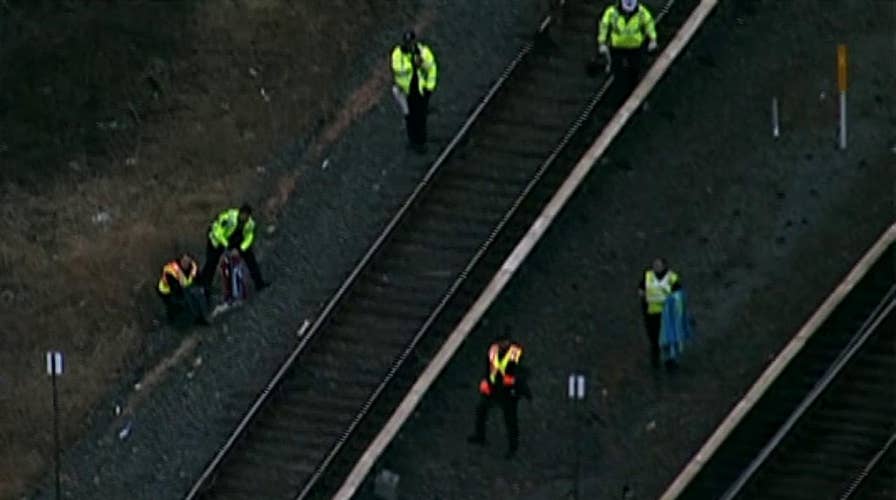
[170, 310]
[424, 113]
[510, 420]
[212, 256]
[485, 403]
[254, 271]
[411, 118]
[652, 324]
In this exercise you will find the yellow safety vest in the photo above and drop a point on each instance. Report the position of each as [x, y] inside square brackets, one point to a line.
[499, 363]
[173, 269]
[224, 226]
[656, 291]
[403, 69]
[626, 33]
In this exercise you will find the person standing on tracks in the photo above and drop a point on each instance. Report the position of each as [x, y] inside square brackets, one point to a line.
[627, 24]
[416, 74]
[655, 286]
[233, 229]
[503, 384]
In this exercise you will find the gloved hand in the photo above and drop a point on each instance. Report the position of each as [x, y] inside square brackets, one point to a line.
[484, 388]
[651, 46]
[603, 50]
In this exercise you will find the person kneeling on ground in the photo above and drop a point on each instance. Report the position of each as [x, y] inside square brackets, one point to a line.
[174, 288]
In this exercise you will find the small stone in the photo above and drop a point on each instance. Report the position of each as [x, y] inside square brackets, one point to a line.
[198, 361]
[253, 72]
[102, 217]
[130, 161]
[651, 426]
[270, 229]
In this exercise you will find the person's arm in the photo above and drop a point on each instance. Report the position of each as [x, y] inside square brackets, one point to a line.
[217, 232]
[676, 281]
[401, 74]
[603, 27]
[430, 69]
[649, 25]
[248, 235]
[649, 29]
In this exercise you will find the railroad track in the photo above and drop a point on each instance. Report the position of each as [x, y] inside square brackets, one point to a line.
[826, 428]
[329, 394]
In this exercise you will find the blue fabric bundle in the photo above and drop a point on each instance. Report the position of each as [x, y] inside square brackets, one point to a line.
[676, 326]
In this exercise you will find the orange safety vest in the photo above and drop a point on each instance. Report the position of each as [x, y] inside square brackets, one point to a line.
[173, 269]
[498, 366]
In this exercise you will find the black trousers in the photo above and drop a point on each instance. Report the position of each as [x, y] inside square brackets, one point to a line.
[652, 323]
[508, 405]
[418, 108]
[174, 305]
[627, 67]
[213, 256]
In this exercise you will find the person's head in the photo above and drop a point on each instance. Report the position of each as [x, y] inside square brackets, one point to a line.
[245, 212]
[409, 42]
[504, 337]
[185, 261]
[659, 265]
[628, 6]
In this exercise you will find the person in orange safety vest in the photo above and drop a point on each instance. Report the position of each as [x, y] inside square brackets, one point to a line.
[177, 276]
[503, 385]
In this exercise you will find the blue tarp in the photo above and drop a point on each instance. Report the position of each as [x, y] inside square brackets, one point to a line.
[676, 326]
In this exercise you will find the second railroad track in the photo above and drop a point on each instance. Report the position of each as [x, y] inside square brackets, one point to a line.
[300, 423]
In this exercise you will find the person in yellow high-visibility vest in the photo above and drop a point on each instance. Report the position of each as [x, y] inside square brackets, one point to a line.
[503, 384]
[416, 75]
[232, 229]
[655, 285]
[627, 24]
[177, 276]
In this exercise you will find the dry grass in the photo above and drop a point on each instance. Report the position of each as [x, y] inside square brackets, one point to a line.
[183, 147]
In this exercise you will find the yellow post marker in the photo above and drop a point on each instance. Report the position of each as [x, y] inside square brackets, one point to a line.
[841, 84]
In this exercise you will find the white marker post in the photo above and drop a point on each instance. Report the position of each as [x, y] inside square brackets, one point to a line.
[54, 369]
[576, 392]
[841, 84]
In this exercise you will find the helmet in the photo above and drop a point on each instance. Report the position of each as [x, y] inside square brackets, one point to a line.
[629, 6]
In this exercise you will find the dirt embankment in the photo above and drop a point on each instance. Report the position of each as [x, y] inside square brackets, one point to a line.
[123, 129]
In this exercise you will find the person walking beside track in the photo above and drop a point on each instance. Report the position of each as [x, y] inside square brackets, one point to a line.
[626, 23]
[655, 286]
[503, 385]
[416, 74]
[232, 229]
